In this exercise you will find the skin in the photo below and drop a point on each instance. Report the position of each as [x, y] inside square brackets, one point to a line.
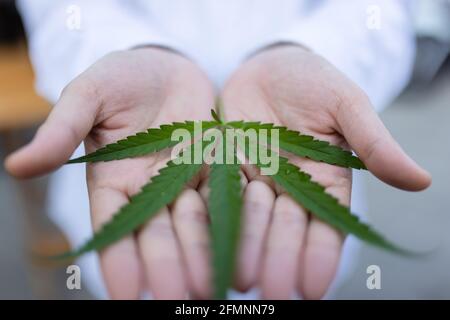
[282, 247]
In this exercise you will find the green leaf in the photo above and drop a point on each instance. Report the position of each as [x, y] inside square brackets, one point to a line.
[161, 191]
[312, 196]
[215, 116]
[305, 145]
[224, 206]
[152, 140]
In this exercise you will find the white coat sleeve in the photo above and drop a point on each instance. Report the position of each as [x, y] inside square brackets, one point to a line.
[66, 36]
[371, 41]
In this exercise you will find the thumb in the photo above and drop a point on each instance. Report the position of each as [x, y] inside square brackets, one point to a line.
[65, 128]
[366, 134]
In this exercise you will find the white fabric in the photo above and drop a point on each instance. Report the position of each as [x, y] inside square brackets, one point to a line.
[218, 35]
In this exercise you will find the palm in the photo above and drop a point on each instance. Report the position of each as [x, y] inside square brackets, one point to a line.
[293, 87]
[140, 90]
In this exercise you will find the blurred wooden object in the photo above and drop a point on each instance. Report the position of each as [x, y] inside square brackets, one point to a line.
[21, 110]
[20, 106]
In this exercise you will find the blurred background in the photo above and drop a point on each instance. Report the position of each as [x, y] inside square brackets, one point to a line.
[418, 119]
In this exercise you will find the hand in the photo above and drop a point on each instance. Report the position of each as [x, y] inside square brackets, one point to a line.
[121, 94]
[283, 247]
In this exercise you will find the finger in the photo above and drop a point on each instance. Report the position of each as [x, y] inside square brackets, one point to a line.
[370, 139]
[253, 173]
[284, 243]
[162, 259]
[119, 262]
[67, 125]
[203, 190]
[190, 219]
[320, 257]
[258, 204]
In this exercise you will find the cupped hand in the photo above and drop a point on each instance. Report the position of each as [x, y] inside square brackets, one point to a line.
[121, 94]
[283, 247]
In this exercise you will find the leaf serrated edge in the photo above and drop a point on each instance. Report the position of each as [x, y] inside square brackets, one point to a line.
[347, 159]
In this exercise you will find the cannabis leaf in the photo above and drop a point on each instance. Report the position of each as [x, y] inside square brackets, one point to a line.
[215, 116]
[153, 140]
[225, 198]
[305, 145]
[224, 206]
